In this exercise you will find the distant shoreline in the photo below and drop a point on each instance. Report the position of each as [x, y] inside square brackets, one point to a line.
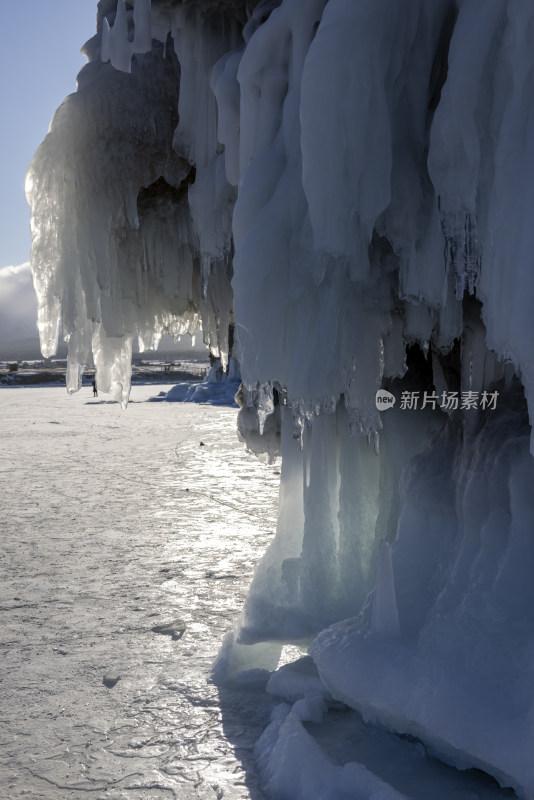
[39, 373]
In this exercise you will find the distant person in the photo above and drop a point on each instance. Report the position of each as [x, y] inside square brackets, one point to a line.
[95, 390]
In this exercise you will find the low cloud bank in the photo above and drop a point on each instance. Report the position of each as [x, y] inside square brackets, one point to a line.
[18, 305]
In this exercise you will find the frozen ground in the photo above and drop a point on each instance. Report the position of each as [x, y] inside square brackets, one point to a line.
[112, 523]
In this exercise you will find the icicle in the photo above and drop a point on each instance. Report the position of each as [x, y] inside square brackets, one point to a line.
[116, 46]
[385, 617]
[142, 27]
[265, 403]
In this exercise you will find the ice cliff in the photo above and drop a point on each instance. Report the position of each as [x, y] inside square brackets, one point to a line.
[352, 181]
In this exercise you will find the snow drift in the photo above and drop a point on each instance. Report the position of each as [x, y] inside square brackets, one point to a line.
[351, 180]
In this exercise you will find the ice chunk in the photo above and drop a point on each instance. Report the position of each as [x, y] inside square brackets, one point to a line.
[297, 680]
[294, 767]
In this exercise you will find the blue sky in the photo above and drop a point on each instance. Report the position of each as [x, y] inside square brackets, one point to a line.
[39, 60]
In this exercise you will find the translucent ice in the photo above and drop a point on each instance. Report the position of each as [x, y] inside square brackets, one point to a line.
[120, 249]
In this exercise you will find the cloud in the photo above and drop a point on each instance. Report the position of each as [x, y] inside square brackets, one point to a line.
[18, 306]
[22, 271]
[18, 320]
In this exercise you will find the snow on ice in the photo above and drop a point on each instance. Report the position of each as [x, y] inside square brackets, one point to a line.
[350, 183]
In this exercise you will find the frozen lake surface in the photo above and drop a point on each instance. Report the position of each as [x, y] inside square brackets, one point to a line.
[113, 523]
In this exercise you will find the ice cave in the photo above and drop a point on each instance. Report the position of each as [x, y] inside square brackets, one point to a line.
[348, 186]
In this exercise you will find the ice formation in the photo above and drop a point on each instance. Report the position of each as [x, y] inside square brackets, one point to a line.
[351, 181]
[131, 214]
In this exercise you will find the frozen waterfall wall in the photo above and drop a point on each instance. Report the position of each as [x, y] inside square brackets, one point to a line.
[131, 212]
[352, 181]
